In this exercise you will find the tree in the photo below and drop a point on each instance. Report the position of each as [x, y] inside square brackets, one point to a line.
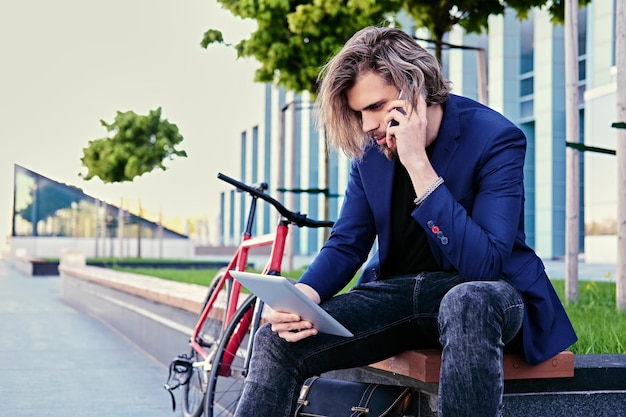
[620, 124]
[136, 144]
[295, 38]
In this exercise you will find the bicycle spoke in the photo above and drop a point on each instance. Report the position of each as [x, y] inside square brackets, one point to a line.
[227, 376]
[193, 394]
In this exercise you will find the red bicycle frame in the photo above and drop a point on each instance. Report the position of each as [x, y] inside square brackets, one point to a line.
[239, 262]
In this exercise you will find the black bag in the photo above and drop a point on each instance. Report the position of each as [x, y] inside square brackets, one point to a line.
[324, 397]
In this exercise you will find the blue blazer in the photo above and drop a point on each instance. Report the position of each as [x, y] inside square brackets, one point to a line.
[474, 221]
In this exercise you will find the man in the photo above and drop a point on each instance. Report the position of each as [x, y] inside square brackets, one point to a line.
[438, 180]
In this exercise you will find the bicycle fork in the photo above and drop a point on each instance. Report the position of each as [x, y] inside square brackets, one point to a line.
[252, 318]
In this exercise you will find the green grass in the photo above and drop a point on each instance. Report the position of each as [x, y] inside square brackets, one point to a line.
[599, 326]
[190, 276]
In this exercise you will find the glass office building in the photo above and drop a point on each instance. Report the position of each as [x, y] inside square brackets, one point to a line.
[45, 209]
[288, 153]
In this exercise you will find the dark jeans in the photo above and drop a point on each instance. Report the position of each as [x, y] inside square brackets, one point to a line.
[471, 321]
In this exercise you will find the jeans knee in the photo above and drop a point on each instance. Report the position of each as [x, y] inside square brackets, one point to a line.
[465, 311]
[476, 310]
[468, 298]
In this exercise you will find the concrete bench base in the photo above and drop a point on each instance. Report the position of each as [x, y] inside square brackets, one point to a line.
[598, 388]
[424, 365]
[36, 266]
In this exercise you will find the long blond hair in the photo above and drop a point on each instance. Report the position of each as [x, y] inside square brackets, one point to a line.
[389, 52]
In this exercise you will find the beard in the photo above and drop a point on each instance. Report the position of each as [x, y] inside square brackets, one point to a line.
[391, 154]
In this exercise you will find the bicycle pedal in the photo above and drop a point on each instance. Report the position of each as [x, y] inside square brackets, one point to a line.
[179, 372]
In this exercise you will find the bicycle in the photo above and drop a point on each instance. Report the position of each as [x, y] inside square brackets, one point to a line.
[211, 376]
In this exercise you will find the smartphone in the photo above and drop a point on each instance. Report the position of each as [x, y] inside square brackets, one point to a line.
[393, 122]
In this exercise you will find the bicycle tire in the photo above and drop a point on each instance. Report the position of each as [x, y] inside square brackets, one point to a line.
[224, 391]
[193, 393]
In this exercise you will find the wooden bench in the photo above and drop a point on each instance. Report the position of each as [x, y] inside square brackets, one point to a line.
[424, 366]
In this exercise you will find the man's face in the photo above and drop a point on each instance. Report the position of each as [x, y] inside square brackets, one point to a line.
[368, 98]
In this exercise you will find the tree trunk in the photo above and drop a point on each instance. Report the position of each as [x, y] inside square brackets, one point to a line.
[572, 155]
[620, 57]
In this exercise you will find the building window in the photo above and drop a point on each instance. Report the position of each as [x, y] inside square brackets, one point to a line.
[527, 39]
[526, 109]
[527, 66]
[527, 86]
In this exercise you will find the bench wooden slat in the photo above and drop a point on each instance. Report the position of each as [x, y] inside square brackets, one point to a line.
[424, 365]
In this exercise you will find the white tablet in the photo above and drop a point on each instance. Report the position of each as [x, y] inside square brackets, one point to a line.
[280, 294]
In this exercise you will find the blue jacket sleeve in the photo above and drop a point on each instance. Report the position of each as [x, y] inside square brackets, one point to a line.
[474, 219]
[348, 244]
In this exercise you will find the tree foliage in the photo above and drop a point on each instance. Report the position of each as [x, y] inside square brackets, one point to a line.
[439, 17]
[294, 38]
[135, 144]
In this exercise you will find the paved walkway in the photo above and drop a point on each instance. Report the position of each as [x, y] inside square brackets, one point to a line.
[56, 361]
[586, 272]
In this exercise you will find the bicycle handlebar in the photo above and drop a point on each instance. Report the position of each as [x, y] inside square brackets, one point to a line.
[299, 219]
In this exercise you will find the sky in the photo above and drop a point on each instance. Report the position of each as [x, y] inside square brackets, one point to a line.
[67, 64]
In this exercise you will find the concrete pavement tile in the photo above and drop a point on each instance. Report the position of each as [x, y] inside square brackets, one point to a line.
[56, 361]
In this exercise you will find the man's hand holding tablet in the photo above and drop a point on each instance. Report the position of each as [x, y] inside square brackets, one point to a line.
[290, 326]
[296, 314]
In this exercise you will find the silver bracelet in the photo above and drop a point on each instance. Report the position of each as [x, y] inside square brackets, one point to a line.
[432, 187]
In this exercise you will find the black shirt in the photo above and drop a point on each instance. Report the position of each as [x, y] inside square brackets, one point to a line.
[410, 252]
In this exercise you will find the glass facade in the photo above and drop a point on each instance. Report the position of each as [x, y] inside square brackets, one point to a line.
[44, 207]
[526, 71]
[288, 153]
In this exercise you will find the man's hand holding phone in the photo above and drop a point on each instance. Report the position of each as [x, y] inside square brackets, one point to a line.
[393, 122]
[406, 133]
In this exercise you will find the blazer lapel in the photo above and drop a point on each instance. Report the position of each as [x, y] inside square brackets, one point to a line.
[377, 173]
[446, 143]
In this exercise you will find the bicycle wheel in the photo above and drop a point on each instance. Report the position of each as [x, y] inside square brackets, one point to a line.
[229, 369]
[193, 392]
